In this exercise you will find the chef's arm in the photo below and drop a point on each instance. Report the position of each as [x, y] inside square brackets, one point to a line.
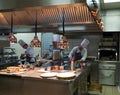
[71, 54]
[30, 53]
[84, 55]
[27, 54]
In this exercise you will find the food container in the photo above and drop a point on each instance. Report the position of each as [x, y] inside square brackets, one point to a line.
[56, 54]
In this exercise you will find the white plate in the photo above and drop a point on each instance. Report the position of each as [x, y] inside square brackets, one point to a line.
[48, 74]
[18, 73]
[22, 70]
[42, 71]
[66, 75]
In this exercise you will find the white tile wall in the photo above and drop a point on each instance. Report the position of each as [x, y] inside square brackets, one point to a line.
[46, 41]
[27, 37]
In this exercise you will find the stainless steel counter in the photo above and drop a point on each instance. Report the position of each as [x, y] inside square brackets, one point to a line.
[30, 83]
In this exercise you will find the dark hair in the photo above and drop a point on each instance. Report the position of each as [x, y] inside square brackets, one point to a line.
[25, 46]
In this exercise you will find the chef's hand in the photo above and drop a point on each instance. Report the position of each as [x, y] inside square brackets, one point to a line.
[79, 61]
[82, 64]
[27, 54]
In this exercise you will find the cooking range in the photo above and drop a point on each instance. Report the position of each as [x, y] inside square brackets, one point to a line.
[107, 72]
[107, 65]
[107, 54]
[108, 59]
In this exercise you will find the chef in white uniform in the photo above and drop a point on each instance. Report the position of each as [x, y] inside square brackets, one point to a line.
[29, 53]
[79, 53]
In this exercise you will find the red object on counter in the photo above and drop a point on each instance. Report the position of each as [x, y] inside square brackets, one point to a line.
[83, 65]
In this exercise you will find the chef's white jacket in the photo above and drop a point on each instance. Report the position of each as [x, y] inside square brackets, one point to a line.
[76, 49]
[30, 51]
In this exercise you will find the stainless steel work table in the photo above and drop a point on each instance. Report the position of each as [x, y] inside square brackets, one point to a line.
[30, 83]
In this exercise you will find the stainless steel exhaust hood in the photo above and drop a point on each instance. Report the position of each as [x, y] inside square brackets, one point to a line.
[50, 16]
[43, 2]
[17, 4]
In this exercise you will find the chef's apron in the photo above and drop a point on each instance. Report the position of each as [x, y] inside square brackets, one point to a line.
[77, 56]
[31, 60]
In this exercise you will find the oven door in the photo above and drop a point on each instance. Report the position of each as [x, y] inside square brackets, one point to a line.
[107, 54]
[107, 77]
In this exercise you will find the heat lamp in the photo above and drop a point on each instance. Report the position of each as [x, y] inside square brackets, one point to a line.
[35, 42]
[63, 44]
[11, 38]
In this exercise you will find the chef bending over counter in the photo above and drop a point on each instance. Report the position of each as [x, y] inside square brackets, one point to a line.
[79, 53]
[51, 57]
[29, 52]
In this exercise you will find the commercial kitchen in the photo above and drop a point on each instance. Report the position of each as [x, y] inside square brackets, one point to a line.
[61, 24]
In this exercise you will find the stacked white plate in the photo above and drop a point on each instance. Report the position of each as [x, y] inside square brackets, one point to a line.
[48, 74]
[66, 75]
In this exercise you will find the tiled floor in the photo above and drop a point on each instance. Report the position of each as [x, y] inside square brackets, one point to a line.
[110, 90]
[106, 90]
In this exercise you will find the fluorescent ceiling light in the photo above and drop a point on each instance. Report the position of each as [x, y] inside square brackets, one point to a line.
[71, 28]
[110, 1]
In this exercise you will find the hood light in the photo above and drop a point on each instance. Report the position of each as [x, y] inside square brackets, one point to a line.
[11, 38]
[63, 44]
[35, 42]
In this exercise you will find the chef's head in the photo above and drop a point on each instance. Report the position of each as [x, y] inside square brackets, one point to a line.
[23, 44]
[84, 43]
